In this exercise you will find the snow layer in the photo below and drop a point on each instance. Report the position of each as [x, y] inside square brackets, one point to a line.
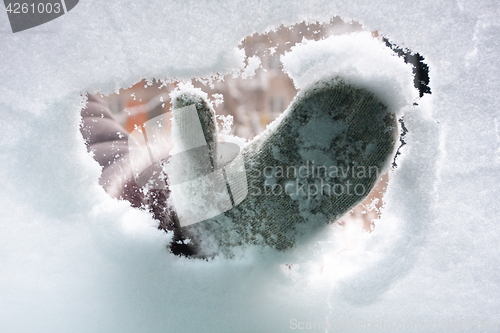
[72, 259]
[360, 60]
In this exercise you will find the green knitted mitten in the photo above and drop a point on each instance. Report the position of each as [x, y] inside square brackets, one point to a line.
[312, 165]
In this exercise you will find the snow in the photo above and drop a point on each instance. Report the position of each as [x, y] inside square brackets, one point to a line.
[358, 59]
[73, 259]
[254, 62]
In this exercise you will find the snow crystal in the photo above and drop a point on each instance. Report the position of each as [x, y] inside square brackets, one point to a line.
[254, 62]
